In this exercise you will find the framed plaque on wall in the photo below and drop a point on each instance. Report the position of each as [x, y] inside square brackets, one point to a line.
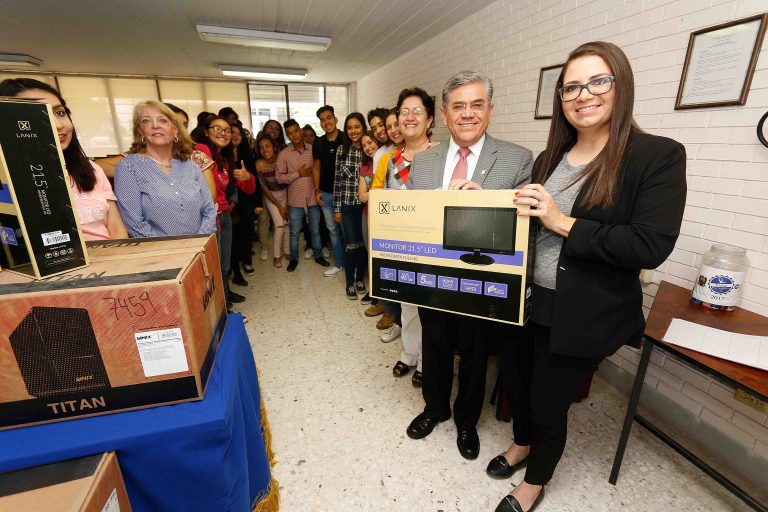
[720, 63]
[546, 93]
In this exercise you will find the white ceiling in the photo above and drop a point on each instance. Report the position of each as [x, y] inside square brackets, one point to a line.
[158, 37]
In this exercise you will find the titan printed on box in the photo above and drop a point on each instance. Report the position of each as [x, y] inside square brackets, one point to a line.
[462, 251]
[39, 231]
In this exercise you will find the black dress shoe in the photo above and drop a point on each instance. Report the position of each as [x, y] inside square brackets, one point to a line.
[510, 504]
[236, 298]
[500, 468]
[239, 281]
[322, 262]
[468, 443]
[292, 265]
[422, 425]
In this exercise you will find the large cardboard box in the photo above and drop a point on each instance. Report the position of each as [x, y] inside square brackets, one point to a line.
[462, 251]
[39, 231]
[139, 327]
[87, 484]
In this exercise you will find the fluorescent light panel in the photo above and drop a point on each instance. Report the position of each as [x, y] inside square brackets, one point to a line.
[263, 72]
[264, 39]
[18, 60]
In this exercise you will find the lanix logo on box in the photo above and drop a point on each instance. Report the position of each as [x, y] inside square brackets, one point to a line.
[25, 126]
[385, 207]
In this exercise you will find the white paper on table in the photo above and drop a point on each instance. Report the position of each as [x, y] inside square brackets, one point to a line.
[739, 348]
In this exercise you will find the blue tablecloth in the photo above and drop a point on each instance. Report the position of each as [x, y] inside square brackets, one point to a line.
[198, 456]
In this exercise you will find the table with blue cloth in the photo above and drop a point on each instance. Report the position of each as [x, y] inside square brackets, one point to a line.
[208, 455]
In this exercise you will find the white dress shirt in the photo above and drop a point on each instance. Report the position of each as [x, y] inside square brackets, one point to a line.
[452, 159]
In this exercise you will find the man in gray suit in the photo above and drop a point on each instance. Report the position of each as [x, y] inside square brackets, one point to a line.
[472, 159]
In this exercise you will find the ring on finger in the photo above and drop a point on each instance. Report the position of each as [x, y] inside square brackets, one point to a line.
[537, 203]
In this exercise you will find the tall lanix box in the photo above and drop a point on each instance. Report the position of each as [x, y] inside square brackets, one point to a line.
[140, 327]
[462, 251]
[39, 231]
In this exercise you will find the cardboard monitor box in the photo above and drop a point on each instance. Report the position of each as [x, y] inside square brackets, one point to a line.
[139, 327]
[87, 484]
[461, 251]
[39, 231]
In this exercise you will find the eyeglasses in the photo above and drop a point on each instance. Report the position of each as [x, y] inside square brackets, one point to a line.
[416, 111]
[476, 106]
[595, 87]
[160, 121]
[218, 129]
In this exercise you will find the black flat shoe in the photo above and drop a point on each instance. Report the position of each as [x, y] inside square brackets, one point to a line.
[423, 425]
[239, 281]
[468, 442]
[236, 298]
[500, 468]
[510, 504]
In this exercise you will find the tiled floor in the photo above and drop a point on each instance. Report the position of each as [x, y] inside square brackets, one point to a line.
[338, 420]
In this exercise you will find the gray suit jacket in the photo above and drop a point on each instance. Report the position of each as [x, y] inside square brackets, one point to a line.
[500, 165]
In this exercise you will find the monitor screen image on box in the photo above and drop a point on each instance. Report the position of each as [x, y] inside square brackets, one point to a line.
[479, 230]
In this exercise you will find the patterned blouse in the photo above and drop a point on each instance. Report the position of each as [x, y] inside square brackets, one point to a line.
[268, 180]
[398, 169]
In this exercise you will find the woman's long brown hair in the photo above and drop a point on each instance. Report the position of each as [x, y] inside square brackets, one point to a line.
[602, 173]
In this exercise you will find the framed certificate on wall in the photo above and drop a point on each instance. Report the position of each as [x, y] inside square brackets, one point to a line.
[720, 63]
[546, 94]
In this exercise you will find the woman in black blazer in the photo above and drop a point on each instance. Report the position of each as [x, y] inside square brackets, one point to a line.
[609, 201]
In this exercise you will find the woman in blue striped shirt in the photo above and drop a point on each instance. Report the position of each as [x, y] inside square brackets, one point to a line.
[160, 191]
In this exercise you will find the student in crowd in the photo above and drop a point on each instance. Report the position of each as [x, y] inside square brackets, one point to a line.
[275, 199]
[251, 143]
[229, 115]
[609, 199]
[383, 155]
[180, 113]
[369, 145]
[309, 134]
[470, 159]
[160, 191]
[294, 168]
[199, 130]
[389, 311]
[376, 118]
[247, 208]
[94, 200]
[415, 116]
[216, 142]
[347, 208]
[201, 159]
[275, 132]
[324, 173]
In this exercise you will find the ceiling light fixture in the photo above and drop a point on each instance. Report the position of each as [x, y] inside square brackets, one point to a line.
[18, 60]
[264, 39]
[263, 72]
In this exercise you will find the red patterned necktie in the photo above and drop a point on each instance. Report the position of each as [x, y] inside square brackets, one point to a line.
[460, 171]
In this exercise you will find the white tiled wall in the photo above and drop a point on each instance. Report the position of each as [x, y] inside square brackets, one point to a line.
[511, 40]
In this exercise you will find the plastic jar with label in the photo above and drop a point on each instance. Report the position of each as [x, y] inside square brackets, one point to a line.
[721, 277]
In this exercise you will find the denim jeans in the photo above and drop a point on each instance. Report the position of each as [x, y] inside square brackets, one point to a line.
[297, 221]
[356, 257]
[337, 244]
[224, 237]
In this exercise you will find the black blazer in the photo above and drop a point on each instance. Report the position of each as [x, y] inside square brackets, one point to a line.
[598, 298]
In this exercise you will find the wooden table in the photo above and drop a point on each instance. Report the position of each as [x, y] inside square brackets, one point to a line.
[674, 302]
